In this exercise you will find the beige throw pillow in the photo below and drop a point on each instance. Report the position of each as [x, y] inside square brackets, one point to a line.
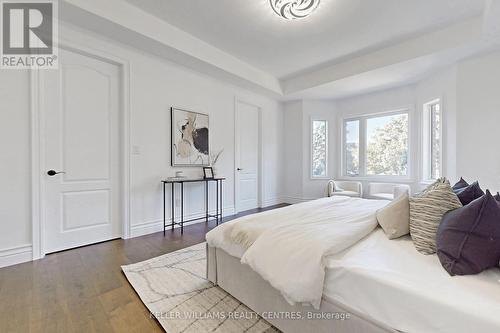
[426, 212]
[395, 217]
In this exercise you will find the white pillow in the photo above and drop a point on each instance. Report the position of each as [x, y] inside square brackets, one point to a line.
[395, 217]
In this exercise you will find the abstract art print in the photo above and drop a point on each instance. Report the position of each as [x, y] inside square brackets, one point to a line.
[190, 133]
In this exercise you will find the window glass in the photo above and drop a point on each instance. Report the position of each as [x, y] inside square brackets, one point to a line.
[319, 148]
[377, 145]
[351, 148]
[435, 133]
[387, 145]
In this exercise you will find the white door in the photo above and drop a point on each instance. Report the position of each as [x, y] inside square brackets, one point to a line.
[247, 156]
[80, 124]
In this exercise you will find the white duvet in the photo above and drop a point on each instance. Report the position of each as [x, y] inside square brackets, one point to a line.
[287, 246]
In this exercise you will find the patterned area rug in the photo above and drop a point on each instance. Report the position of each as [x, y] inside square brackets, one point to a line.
[174, 288]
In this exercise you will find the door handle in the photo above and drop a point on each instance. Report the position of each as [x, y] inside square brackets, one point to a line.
[239, 169]
[53, 172]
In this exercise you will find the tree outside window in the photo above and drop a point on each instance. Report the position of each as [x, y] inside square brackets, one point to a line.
[387, 146]
[319, 148]
[377, 146]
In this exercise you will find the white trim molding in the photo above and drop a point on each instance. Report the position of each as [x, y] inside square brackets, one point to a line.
[260, 167]
[152, 227]
[36, 160]
[313, 119]
[362, 118]
[425, 135]
[295, 200]
[16, 255]
[272, 202]
[38, 153]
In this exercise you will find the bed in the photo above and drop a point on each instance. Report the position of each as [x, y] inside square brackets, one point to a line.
[381, 285]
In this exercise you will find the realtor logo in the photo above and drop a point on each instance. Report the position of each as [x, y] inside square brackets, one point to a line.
[29, 30]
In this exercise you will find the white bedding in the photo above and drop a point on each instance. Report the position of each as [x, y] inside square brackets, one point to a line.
[287, 247]
[394, 284]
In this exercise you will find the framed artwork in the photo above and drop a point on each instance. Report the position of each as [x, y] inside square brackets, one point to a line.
[190, 134]
[208, 173]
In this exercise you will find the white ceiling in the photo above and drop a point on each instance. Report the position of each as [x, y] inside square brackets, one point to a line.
[338, 30]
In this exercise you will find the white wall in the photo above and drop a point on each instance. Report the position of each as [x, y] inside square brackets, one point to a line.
[442, 85]
[471, 113]
[335, 111]
[322, 110]
[469, 92]
[478, 120]
[384, 101]
[155, 86]
[293, 128]
[15, 171]
[297, 135]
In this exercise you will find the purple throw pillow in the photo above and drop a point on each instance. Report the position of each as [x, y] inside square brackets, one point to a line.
[497, 197]
[468, 238]
[470, 193]
[458, 187]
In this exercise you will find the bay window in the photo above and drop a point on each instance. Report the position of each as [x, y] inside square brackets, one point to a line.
[319, 148]
[377, 146]
[432, 140]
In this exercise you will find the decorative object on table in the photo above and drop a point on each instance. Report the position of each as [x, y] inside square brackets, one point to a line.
[208, 173]
[176, 281]
[176, 178]
[190, 138]
[179, 175]
[213, 160]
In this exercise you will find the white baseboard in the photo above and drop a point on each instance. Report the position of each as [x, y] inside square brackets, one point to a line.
[295, 200]
[157, 225]
[16, 255]
[272, 202]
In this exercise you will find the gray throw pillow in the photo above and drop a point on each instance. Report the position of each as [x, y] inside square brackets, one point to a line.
[460, 185]
[470, 193]
[468, 239]
[426, 212]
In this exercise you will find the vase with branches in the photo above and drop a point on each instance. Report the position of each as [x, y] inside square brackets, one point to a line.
[214, 158]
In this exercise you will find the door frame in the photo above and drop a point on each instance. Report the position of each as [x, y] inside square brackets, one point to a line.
[260, 168]
[38, 200]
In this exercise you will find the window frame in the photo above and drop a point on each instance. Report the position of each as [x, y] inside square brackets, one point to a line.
[311, 155]
[426, 141]
[363, 142]
[361, 149]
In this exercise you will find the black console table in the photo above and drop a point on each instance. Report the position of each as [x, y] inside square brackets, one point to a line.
[181, 182]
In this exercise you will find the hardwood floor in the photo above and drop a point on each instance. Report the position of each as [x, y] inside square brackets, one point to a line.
[84, 289]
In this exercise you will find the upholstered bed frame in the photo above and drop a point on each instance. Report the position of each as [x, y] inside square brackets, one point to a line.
[249, 288]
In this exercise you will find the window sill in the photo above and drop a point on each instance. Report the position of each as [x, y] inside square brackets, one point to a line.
[381, 179]
[320, 178]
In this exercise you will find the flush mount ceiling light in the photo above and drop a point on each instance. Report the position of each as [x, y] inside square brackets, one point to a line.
[294, 9]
